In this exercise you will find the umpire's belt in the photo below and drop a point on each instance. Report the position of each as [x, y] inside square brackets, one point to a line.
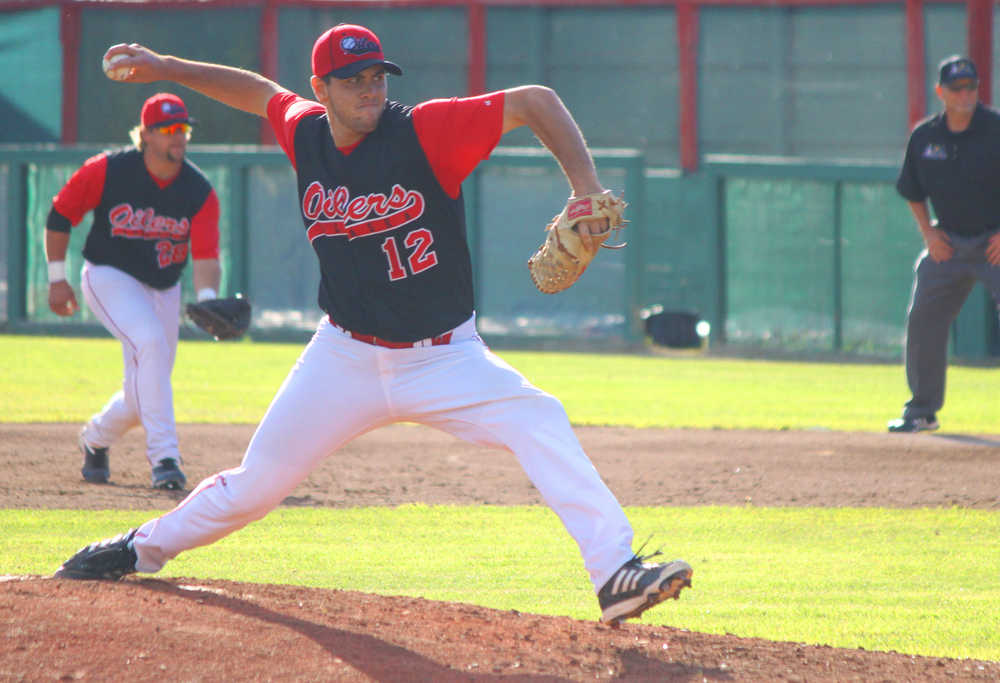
[466, 329]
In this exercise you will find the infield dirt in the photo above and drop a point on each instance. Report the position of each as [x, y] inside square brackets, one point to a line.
[146, 629]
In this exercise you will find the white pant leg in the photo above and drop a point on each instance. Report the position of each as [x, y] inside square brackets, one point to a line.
[111, 422]
[470, 392]
[331, 395]
[145, 320]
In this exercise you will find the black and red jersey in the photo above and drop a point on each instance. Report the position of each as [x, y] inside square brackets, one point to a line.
[142, 225]
[386, 218]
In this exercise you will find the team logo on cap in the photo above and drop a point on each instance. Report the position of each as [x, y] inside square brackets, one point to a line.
[354, 45]
[171, 108]
[960, 69]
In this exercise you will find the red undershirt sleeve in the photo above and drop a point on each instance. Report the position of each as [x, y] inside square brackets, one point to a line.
[284, 111]
[205, 229]
[81, 193]
[458, 133]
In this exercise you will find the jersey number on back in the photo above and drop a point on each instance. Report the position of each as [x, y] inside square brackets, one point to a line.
[168, 253]
[420, 255]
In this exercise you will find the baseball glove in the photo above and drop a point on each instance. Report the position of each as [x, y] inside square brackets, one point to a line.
[226, 318]
[562, 258]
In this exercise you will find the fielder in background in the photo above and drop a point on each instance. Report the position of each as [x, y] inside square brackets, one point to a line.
[151, 207]
[379, 189]
[952, 159]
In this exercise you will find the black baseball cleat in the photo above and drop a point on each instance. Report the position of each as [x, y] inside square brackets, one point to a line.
[95, 463]
[637, 586]
[914, 424]
[107, 560]
[168, 476]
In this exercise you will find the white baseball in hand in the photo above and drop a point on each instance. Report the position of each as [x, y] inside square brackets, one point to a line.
[119, 73]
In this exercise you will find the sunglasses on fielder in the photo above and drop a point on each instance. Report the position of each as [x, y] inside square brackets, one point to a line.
[174, 128]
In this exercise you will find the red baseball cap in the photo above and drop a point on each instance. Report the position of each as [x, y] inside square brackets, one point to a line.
[163, 108]
[345, 50]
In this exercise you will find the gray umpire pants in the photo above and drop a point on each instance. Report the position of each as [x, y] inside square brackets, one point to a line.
[939, 290]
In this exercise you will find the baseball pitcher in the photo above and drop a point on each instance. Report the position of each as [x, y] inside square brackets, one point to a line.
[379, 193]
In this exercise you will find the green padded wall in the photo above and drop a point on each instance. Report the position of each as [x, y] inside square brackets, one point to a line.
[108, 110]
[996, 53]
[945, 34]
[30, 76]
[679, 244]
[816, 82]
[740, 90]
[44, 181]
[508, 234]
[791, 257]
[221, 179]
[5, 242]
[616, 70]
[779, 263]
[282, 270]
[848, 74]
[880, 245]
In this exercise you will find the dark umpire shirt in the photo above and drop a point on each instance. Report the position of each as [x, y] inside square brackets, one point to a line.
[958, 172]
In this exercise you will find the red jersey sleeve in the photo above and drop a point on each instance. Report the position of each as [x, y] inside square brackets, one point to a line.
[284, 111]
[205, 229]
[82, 192]
[457, 133]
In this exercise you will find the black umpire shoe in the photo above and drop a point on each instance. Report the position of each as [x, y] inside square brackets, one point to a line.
[110, 560]
[637, 586]
[914, 424]
[95, 463]
[168, 476]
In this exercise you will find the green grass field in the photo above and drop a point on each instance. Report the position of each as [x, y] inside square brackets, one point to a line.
[234, 382]
[914, 581]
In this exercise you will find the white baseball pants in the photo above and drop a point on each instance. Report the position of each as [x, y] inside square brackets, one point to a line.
[341, 388]
[145, 320]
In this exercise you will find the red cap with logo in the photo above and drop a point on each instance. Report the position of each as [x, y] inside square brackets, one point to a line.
[164, 108]
[345, 50]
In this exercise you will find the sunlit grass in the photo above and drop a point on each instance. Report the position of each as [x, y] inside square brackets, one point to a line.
[235, 382]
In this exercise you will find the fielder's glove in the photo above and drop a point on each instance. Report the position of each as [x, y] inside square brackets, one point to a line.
[562, 258]
[226, 318]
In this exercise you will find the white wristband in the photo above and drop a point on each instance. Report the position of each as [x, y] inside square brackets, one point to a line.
[57, 271]
[207, 293]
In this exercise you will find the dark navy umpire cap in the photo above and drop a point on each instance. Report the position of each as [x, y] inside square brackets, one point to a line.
[956, 68]
[347, 49]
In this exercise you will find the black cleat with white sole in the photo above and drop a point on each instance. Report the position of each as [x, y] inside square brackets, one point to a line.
[167, 476]
[95, 462]
[638, 585]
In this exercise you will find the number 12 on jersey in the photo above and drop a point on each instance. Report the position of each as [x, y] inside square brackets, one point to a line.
[417, 250]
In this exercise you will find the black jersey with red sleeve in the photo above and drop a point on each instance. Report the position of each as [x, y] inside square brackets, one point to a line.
[386, 218]
[142, 226]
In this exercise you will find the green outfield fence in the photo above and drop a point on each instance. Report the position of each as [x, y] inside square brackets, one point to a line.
[775, 253]
[792, 251]
[820, 256]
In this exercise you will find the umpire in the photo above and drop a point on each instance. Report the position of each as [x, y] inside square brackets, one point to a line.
[952, 159]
